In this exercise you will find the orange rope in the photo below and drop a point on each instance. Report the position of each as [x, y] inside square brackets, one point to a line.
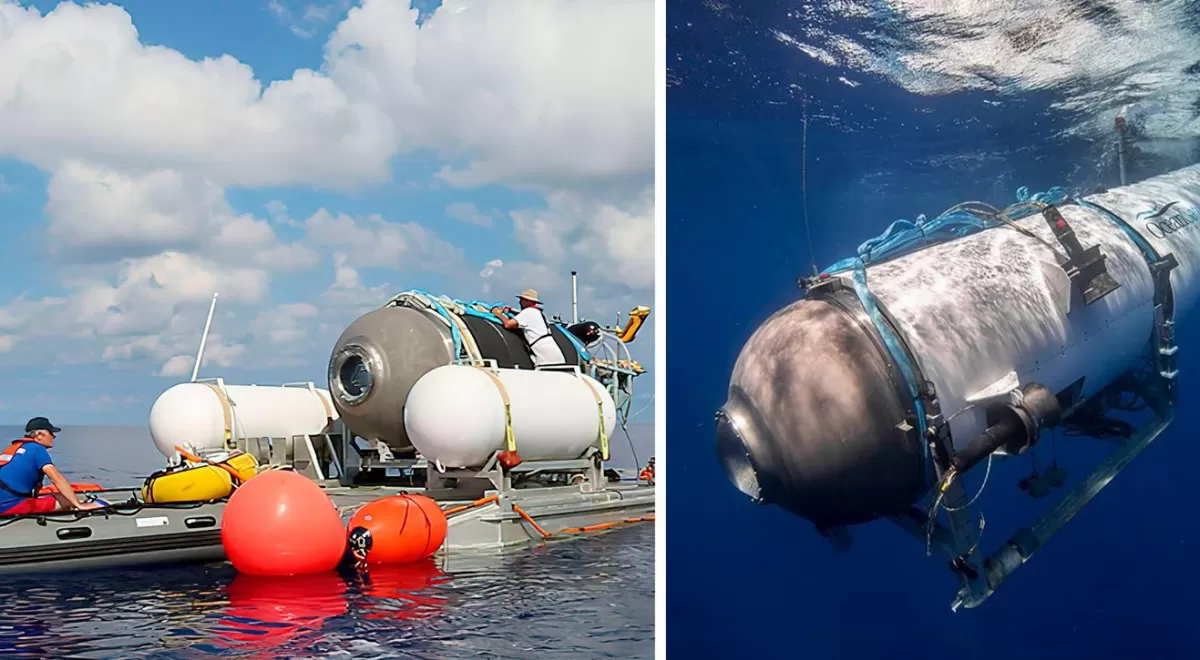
[580, 530]
[540, 530]
[607, 525]
[531, 521]
[237, 478]
[463, 507]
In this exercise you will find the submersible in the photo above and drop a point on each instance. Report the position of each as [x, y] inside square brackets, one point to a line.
[891, 378]
[381, 355]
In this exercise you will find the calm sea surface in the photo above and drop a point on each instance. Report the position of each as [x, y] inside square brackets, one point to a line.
[586, 598]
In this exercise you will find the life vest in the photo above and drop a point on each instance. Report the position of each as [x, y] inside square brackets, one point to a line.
[7, 454]
[647, 473]
[5, 457]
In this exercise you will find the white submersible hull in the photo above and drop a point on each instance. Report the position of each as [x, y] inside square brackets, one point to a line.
[887, 382]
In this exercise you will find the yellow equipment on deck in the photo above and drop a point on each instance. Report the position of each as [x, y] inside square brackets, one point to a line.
[199, 480]
[637, 317]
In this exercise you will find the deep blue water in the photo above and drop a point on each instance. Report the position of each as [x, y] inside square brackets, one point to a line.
[910, 111]
[587, 598]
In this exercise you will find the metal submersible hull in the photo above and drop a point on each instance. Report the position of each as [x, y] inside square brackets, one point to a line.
[888, 381]
[382, 354]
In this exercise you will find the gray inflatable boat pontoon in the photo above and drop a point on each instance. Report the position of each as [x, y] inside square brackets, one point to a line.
[129, 533]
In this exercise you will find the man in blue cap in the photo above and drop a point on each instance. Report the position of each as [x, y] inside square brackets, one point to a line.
[23, 466]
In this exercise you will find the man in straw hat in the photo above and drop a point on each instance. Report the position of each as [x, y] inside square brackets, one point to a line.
[533, 326]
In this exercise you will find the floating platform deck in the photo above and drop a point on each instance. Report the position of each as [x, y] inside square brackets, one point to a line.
[137, 534]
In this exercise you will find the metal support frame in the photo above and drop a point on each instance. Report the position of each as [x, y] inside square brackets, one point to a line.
[303, 453]
[351, 459]
[959, 540]
[1018, 549]
[612, 375]
[590, 467]
[978, 580]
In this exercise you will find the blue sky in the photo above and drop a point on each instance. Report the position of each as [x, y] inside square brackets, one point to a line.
[307, 161]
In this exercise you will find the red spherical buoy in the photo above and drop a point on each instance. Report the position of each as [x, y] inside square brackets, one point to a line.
[397, 530]
[281, 523]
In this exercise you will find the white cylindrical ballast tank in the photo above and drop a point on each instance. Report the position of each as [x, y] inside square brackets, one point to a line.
[194, 414]
[455, 414]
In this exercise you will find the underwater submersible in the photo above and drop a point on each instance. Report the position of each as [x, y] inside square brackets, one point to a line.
[890, 378]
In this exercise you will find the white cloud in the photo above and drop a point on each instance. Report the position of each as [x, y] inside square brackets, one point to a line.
[216, 353]
[490, 268]
[21, 312]
[610, 242]
[373, 242]
[345, 277]
[523, 91]
[150, 290]
[180, 365]
[347, 292]
[469, 213]
[285, 324]
[91, 208]
[77, 84]
[540, 92]
[154, 310]
[98, 214]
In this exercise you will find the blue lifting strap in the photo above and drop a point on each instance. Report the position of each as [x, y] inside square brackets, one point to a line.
[903, 237]
[899, 354]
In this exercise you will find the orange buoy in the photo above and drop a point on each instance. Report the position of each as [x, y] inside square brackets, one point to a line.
[281, 523]
[397, 529]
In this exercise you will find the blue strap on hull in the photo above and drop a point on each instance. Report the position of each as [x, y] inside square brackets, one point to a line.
[468, 307]
[904, 237]
[900, 358]
[1148, 250]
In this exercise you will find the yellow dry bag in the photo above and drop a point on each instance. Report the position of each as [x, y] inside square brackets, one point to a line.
[199, 482]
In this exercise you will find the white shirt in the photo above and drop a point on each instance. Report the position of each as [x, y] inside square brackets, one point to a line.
[532, 323]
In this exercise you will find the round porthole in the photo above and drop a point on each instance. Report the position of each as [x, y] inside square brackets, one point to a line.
[351, 374]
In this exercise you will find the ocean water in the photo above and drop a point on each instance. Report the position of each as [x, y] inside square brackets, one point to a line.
[912, 106]
[591, 597]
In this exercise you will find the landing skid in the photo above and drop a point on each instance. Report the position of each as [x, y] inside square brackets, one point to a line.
[957, 539]
[1020, 548]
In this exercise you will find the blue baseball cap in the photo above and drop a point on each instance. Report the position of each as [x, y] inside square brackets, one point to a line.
[40, 424]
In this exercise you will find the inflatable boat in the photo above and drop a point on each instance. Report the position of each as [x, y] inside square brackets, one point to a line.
[131, 532]
[174, 517]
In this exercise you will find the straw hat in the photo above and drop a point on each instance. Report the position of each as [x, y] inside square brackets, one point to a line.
[530, 295]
